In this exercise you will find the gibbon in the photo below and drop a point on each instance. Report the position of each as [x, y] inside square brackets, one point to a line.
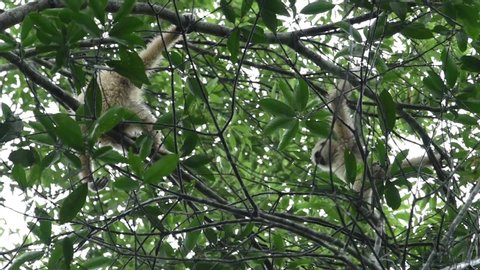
[328, 154]
[119, 91]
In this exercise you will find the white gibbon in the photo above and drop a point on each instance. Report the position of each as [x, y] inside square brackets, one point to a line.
[119, 91]
[328, 155]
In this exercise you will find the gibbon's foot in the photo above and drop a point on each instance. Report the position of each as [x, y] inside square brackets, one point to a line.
[98, 184]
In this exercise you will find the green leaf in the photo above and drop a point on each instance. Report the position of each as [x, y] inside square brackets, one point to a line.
[125, 183]
[19, 175]
[269, 19]
[191, 237]
[392, 196]
[278, 123]
[274, 6]
[163, 167]
[399, 8]
[44, 24]
[87, 23]
[189, 143]
[74, 4]
[233, 44]
[317, 7]
[435, 84]
[228, 11]
[44, 230]
[72, 204]
[67, 251]
[197, 161]
[350, 166]
[319, 128]
[131, 66]
[125, 9]
[300, 95]
[27, 27]
[470, 63]
[469, 98]
[125, 26]
[196, 88]
[350, 30]
[462, 40]
[246, 5]
[450, 68]
[417, 31]
[258, 35]
[108, 120]
[387, 111]
[98, 7]
[68, 131]
[288, 136]
[26, 257]
[23, 157]
[99, 262]
[276, 107]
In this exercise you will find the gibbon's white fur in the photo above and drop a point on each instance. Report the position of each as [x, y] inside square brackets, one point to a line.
[119, 91]
[328, 154]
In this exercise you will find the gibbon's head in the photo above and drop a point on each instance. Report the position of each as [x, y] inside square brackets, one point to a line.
[323, 152]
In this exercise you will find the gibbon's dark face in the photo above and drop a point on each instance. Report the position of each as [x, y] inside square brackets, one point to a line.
[321, 152]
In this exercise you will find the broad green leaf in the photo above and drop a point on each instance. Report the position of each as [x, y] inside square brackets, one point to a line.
[108, 155]
[350, 30]
[233, 44]
[10, 129]
[392, 196]
[189, 143]
[450, 68]
[74, 4]
[44, 229]
[462, 40]
[163, 167]
[274, 6]
[125, 183]
[319, 128]
[228, 11]
[276, 107]
[470, 63]
[31, 256]
[93, 100]
[146, 144]
[107, 121]
[417, 31]
[469, 98]
[278, 123]
[44, 24]
[258, 35]
[399, 8]
[435, 84]
[301, 95]
[72, 204]
[246, 5]
[197, 89]
[131, 67]
[191, 238]
[387, 111]
[397, 162]
[124, 10]
[197, 161]
[350, 166]
[125, 26]
[96, 263]
[288, 136]
[269, 19]
[23, 157]
[19, 175]
[68, 131]
[316, 7]
[67, 251]
[27, 27]
[87, 23]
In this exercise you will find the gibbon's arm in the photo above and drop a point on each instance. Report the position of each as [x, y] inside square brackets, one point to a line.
[153, 52]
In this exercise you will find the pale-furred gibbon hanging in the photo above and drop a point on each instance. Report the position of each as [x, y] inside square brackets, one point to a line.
[117, 90]
[328, 153]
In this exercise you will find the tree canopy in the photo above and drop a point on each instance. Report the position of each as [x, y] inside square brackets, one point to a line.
[241, 101]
